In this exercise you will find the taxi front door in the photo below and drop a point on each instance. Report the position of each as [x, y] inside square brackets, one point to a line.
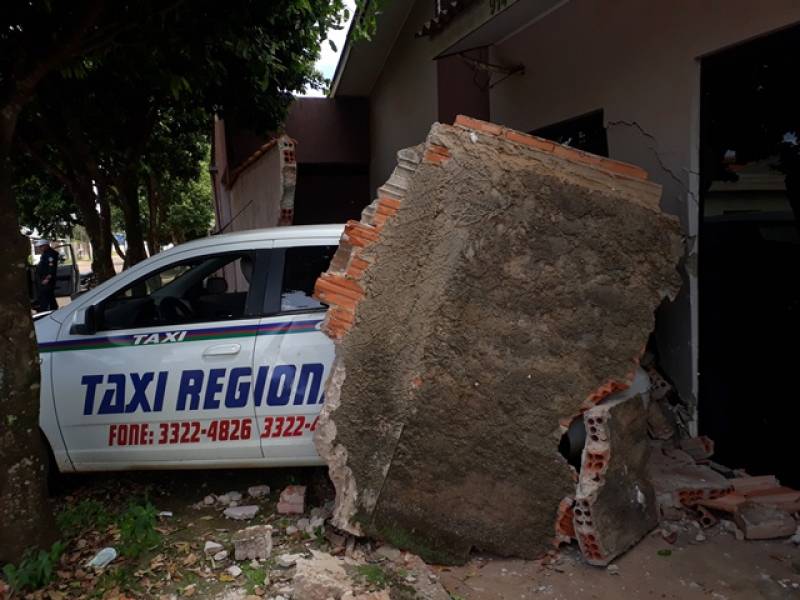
[166, 394]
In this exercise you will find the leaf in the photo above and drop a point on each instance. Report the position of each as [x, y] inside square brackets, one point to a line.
[332, 45]
[190, 560]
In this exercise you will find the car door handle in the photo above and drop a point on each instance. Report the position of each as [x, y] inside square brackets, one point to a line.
[222, 350]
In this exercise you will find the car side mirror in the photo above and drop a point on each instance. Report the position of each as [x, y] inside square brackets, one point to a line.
[88, 326]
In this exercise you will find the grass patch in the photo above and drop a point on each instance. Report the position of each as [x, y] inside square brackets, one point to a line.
[85, 515]
[374, 575]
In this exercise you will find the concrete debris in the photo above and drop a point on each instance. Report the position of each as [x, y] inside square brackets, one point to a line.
[320, 577]
[699, 448]
[759, 522]
[615, 503]
[258, 491]
[381, 595]
[493, 291]
[388, 552]
[679, 482]
[221, 555]
[660, 425]
[233, 571]
[292, 500]
[706, 518]
[229, 497]
[252, 543]
[211, 548]
[287, 561]
[425, 583]
[209, 500]
[241, 513]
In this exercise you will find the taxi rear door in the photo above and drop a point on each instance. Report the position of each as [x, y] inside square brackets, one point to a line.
[166, 378]
[292, 356]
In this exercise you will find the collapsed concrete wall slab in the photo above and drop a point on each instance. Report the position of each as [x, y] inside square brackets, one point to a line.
[498, 286]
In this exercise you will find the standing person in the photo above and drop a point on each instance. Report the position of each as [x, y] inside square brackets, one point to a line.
[46, 275]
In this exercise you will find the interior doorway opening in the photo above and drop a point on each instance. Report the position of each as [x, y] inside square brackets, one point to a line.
[749, 260]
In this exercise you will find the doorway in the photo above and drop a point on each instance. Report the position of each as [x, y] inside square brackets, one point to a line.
[749, 260]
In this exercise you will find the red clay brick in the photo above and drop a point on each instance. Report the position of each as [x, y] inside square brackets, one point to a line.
[748, 485]
[605, 390]
[529, 140]
[342, 314]
[383, 209]
[623, 168]
[484, 126]
[339, 285]
[361, 229]
[778, 495]
[435, 158]
[436, 148]
[565, 525]
[390, 202]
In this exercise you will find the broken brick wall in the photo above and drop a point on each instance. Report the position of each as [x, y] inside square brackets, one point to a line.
[499, 285]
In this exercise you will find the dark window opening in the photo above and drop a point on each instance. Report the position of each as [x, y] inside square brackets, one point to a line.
[303, 265]
[197, 290]
[749, 259]
[586, 132]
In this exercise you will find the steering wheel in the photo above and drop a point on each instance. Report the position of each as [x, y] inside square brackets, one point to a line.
[174, 310]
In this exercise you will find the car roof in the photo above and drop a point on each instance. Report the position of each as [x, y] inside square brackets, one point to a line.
[267, 233]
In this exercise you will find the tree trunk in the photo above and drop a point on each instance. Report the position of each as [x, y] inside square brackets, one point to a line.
[27, 516]
[129, 199]
[98, 227]
[153, 208]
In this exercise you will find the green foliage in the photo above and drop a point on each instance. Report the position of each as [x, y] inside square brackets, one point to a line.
[42, 203]
[87, 514]
[255, 576]
[35, 570]
[190, 208]
[137, 528]
[374, 575]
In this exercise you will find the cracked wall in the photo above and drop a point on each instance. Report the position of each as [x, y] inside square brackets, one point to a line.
[638, 62]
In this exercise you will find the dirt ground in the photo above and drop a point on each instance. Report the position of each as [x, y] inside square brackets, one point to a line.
[719, 567]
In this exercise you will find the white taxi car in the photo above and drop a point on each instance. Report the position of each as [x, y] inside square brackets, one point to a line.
[206, 355]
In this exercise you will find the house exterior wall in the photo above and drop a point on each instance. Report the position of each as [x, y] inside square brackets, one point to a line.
[256, 194]
[638, 61]
[403, 102]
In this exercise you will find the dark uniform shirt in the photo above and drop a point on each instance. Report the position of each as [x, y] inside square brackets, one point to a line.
[48, 265]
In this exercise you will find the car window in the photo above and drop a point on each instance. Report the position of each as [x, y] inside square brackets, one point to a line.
[197, 290]
[302, 266]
